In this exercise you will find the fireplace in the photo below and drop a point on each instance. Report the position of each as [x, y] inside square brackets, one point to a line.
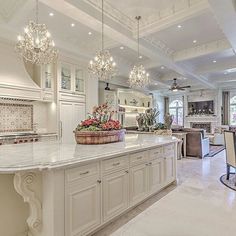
[202, 125]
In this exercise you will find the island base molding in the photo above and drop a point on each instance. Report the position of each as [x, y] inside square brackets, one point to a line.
[79, 200]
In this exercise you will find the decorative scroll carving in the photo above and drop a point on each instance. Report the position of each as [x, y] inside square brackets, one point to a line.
[23, 183]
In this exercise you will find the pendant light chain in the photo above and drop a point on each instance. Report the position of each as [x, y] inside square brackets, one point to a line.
[138, 18]
[37, 12]
[102, 25]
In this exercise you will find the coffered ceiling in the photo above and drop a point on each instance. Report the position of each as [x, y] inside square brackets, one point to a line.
[193, 40]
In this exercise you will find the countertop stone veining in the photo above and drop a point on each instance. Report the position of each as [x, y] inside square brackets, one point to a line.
[51, 155]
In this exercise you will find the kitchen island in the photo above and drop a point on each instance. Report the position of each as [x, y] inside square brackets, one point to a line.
[74, 189]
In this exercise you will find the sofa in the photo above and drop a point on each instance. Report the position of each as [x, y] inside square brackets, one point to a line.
[197, 144]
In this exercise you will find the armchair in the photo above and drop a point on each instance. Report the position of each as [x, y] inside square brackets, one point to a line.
[197, 144]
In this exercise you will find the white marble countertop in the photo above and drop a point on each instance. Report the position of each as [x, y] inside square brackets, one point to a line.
[51, 155]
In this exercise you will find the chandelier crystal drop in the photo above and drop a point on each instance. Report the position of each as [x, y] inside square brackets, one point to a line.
[36, 44]
[103, 65]
[138, 77]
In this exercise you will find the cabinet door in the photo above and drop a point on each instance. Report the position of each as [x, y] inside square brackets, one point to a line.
[79, 81]
[66, 77]
[67, 121]
[71, 115]
[156, 175]
[79, 114]
[82, 207]
[169, 170]
[138, 183]
[115, 194]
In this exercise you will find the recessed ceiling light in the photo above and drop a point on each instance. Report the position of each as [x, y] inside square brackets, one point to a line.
[179, 26]
[140, 57]
[214, 61]
[225, 73]
[51, 14]
[121, 48]
[162, 67]
[194, 41]
[72, 24]
[89, 33]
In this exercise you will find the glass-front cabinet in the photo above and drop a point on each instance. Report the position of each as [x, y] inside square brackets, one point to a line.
[72, 79]
[65, 77]
[47, 76]
[79, 81]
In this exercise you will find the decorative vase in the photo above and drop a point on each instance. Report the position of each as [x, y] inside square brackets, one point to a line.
[99, 137]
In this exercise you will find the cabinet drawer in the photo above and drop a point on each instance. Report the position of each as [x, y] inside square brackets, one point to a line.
[169, 150]
[82, 172]
[156, 153]
[114, 164]
[137, 158]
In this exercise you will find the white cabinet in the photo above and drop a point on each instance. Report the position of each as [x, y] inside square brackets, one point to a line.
[98, 192]
[71, 114]
[83, 211]
[71, 78]
[115, 194]
[138, 183]
[169, 164]
[82, 200]
[169, 169]
[156, 175]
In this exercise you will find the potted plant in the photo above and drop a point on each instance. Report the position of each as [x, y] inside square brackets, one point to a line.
[99, 128]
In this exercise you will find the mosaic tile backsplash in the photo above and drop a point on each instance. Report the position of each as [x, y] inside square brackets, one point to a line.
[16, 117]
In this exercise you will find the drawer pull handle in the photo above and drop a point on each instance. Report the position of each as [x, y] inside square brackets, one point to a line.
[126, 171]
[139, 157]
[150, 163]
[84, 173]
[116, 164]
[99, 181]
[147, 164]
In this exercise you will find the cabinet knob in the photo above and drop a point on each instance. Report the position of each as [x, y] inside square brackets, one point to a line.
[99, 181]
[150, 163]
[126, 171]
[147, 164]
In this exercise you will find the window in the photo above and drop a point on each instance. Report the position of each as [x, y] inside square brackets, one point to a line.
[176, 109]
[233, 110]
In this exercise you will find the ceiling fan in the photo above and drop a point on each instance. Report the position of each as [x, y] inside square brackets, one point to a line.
[175, 87]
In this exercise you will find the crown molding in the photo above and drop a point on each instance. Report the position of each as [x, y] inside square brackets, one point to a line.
[201, 50]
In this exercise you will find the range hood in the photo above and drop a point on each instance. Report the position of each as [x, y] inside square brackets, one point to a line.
[15, 81]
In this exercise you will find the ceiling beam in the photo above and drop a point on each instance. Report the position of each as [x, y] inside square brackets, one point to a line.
[175, 15]
[125, 38]
[225, 14]
[223, 66]
[202, 50]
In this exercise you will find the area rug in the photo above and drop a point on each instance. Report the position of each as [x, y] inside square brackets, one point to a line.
[229, 183]
[214, 149]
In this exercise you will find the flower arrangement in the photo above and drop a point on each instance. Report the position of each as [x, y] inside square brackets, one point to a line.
[100, 120]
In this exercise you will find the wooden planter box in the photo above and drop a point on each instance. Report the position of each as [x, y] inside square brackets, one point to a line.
[99, 137]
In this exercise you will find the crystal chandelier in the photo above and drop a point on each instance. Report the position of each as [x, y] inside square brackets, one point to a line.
[36, 45]
[103, 65]
[138, 77]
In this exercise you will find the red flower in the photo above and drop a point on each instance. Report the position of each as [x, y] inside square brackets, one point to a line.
[111, 125]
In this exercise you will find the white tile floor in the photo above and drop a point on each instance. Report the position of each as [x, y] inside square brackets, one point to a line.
[199, 206]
